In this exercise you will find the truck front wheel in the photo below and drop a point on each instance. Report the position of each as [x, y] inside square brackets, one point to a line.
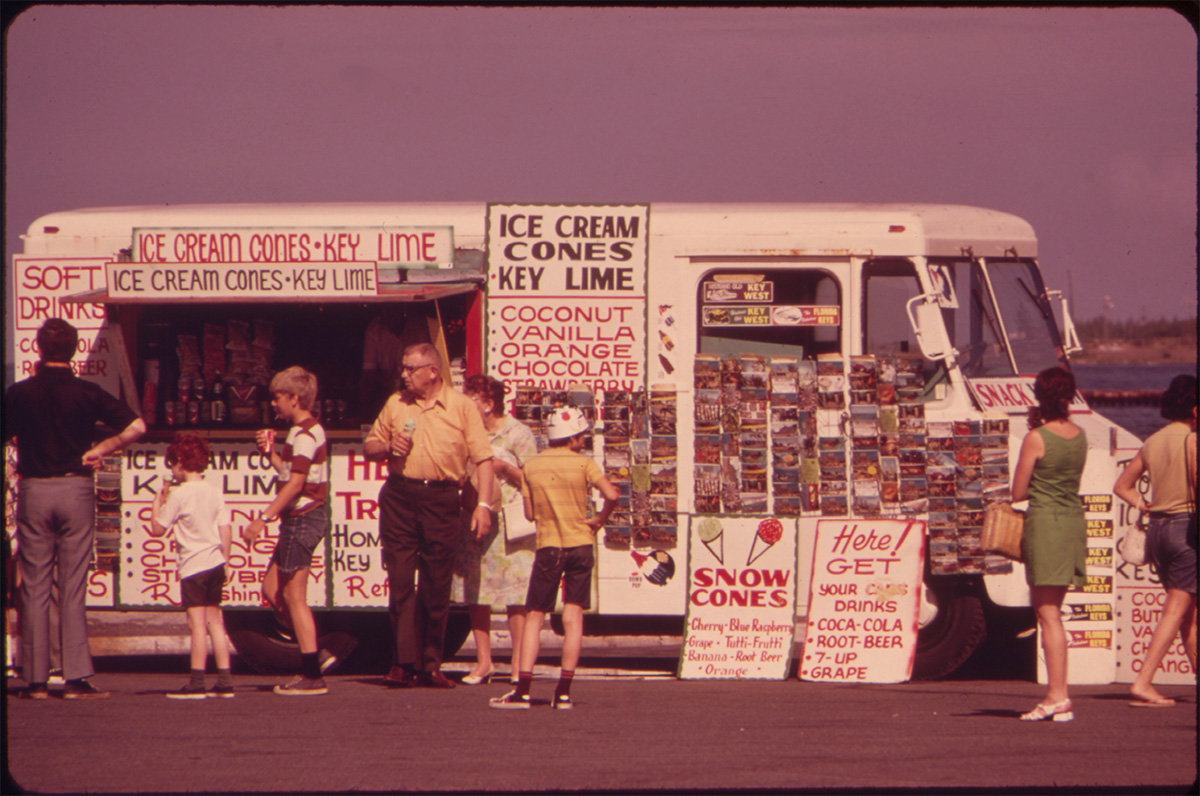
[956, 628]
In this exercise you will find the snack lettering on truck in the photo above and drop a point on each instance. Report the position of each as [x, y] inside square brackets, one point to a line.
[791, 467]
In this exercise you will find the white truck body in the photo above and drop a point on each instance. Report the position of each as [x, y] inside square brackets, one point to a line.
[602, 300]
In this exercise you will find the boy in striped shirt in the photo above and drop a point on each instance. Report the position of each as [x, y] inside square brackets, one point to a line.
[302, 464]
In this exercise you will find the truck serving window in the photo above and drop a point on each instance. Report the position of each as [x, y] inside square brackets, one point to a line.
[786, 311]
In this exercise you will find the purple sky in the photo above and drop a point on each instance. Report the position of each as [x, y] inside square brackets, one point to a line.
[1082, 121]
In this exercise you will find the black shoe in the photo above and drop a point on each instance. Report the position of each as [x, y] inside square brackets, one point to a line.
[434, 680]
[399, 677]
[82, 689]
[562, 702]
[327, 660]
[302, 686]
[221, 692]
[189, 691]
[35, 691]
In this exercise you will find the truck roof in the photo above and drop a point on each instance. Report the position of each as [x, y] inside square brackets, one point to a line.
[690, 229]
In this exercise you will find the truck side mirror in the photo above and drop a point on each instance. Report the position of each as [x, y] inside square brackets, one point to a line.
[925, 316]
[1070, 337]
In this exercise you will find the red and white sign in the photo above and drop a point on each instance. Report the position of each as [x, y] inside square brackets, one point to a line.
[566, 295]
[149, 566]
[740, 620]
[1012, 395]
[355, 561]
[271, 281]
[1140, 600]
[862, 610]
[39, 285]
[410, 246]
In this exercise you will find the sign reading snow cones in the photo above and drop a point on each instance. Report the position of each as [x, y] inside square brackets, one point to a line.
[741, 599]
[862, 612]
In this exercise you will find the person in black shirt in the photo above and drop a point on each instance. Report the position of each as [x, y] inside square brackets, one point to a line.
[53, 415]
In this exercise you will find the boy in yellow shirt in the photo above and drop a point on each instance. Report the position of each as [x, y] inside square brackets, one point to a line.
[555, 492]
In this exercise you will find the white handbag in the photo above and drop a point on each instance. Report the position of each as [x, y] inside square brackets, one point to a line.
[1133, 546]
[516, 527]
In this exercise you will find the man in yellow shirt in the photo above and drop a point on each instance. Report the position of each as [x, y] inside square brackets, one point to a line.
[426, 432]
[556, 488]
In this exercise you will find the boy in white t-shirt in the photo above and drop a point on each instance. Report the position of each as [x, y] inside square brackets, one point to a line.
[204, 539]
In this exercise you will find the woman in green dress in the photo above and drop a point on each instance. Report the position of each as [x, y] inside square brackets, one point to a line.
[1054, 543]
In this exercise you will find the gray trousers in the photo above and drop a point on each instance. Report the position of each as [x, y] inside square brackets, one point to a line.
[56, 523]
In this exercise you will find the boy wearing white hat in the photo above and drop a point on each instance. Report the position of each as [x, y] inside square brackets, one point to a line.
[555, 492]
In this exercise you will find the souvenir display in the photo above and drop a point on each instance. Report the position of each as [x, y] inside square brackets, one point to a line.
[108, 514]
[639, 454]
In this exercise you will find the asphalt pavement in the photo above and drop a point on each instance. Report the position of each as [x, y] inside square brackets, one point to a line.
[635, 728]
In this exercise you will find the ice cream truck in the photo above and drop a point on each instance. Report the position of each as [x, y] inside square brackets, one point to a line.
[779, 364]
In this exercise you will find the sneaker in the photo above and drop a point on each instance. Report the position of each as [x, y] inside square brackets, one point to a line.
[221, 692]
[562, 702]
[302, 686]
[82, 689]
[327, 660]
[510, 701]
[189, 691]
[36, 691]
[56, 677]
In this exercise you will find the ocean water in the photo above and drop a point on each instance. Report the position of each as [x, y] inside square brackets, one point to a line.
[1140, 420]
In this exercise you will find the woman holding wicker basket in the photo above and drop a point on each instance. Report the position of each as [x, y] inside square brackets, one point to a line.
[1054, 544]
[1169, 459]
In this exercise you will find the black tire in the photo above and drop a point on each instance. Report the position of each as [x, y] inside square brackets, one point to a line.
[953, 636]
[371, 629]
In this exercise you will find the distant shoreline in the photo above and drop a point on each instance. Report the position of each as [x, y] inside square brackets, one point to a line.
[1121, 353]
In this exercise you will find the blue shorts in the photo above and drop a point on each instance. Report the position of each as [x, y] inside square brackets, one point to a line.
[1168, 550]
[299, 536]
[570, 565]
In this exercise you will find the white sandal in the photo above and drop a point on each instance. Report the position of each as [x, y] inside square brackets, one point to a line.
[1059, 711]
[479, 679]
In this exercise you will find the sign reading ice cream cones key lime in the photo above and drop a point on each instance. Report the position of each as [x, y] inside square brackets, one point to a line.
[741, 599]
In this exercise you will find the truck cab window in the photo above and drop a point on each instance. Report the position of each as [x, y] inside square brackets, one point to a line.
[784, 312]
[974, 326]
[1028, 320]
[887, 287]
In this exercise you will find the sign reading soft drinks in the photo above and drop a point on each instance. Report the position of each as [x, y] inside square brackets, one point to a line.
[39, 288]
[862, 612]
[741, 599]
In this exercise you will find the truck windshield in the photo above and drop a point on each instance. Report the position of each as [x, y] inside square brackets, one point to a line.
[978, 324]
[1032, 334]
